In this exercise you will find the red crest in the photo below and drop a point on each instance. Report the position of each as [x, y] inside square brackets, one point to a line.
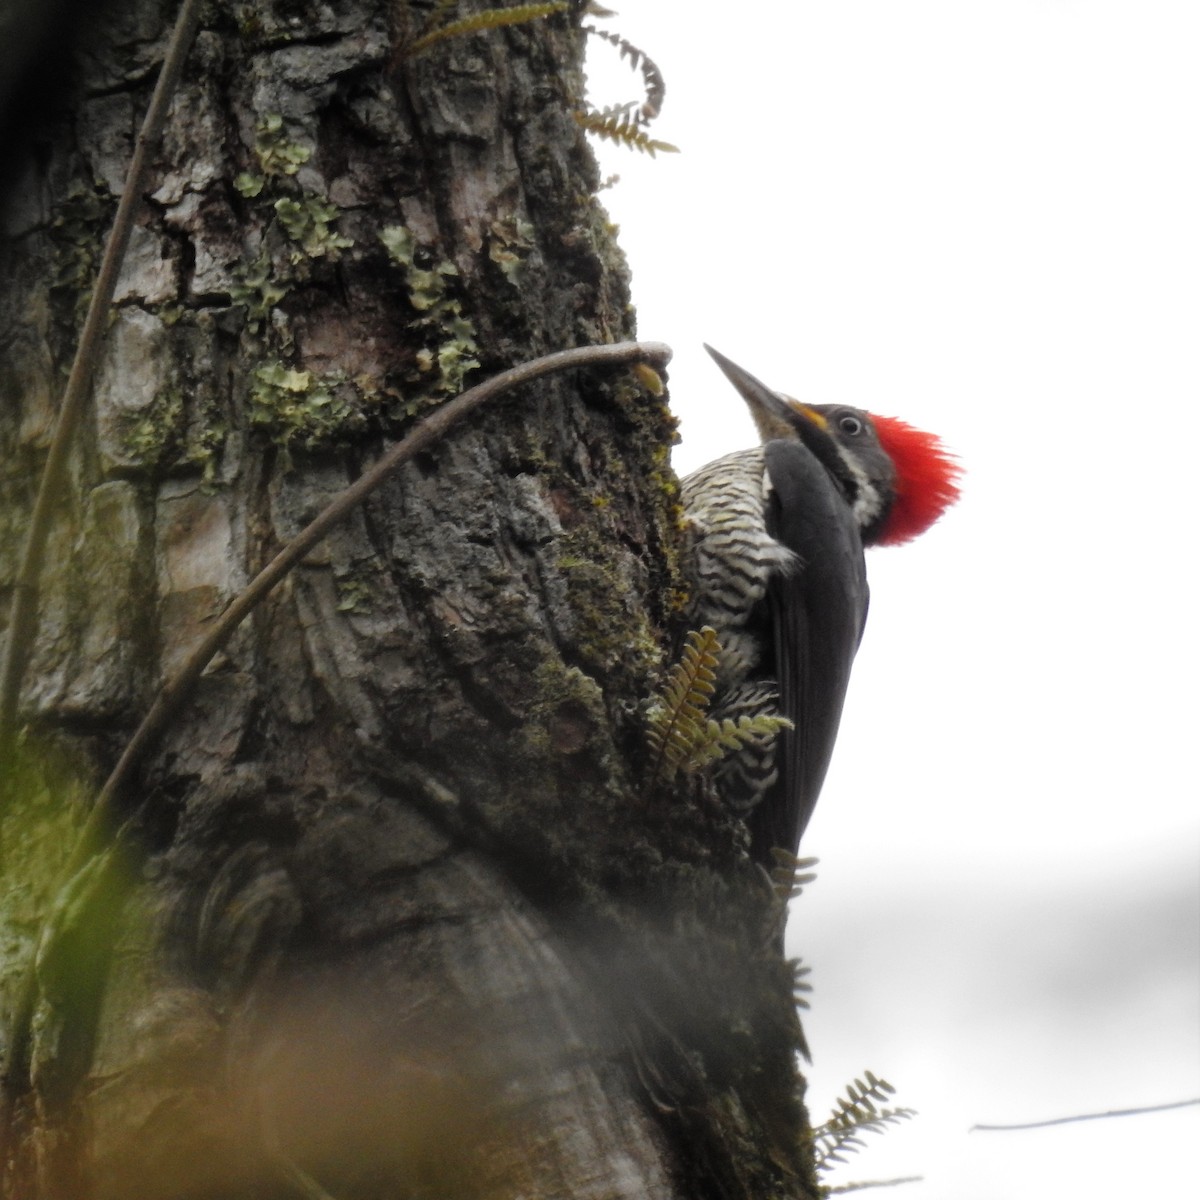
[926, 479]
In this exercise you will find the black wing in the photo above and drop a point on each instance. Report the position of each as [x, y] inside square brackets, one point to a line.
[817, 613]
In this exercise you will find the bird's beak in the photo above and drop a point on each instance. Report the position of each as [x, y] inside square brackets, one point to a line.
[779, 418]
[774, 416]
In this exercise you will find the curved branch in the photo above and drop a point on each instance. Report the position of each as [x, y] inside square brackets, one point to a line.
[172, 696]
[424, 435]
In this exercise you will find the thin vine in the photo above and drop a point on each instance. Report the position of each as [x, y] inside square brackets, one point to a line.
[23, 614]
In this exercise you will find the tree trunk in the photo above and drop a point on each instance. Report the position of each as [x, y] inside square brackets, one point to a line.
[397, 910]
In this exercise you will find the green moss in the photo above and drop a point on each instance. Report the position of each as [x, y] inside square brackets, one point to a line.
[398, 241]
[258, 288]
[509, 247]
[427, 288]
[304, 219]
[354, 595]
[449, 354]
[203, 448]
[248, 184]
[276, 155]
[307, 221]
[260, 283]
[249, 22]
[154, 436]
[77, 233]
[456, 357]
[654, 432]
[614, 636]
[306, 410]
[560, 689]
[161, 437]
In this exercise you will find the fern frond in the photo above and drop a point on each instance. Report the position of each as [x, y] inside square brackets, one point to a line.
[800, 985]
[790, 875]
[677, 723]
[729, 736]
[856, 1113]
[491, 18]
[680, 733]
[626, 133]
[624, 115]
[788, 878]
[652, 78]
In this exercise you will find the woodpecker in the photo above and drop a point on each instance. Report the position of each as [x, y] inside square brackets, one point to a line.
[775, 563]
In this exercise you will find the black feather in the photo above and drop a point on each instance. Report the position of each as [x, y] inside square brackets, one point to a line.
[817, 612]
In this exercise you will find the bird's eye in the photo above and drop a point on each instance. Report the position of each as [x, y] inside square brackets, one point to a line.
[850, 425]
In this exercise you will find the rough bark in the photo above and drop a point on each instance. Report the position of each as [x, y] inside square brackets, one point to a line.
[397, 912]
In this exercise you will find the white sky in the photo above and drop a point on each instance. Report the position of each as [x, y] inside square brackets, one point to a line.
[982, 216]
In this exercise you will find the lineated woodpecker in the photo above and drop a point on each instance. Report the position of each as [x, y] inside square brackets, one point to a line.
[775, 559]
